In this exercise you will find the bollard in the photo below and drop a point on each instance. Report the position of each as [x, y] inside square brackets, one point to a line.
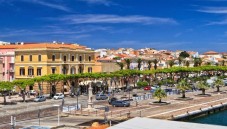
[140, 114]
[172, 116]
[81, 110]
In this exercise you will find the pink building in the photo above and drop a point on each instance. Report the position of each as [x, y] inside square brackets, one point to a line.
[7, 55]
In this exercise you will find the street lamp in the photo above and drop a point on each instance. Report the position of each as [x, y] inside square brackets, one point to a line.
[77, 95]
[58, 113]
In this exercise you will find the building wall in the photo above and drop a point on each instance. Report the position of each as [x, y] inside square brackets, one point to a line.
[7, 56]
[1, 68]
[106, 67]
[47, 64]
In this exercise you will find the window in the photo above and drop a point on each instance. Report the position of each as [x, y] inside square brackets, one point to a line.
[72, 58]
[89, 69]
[39, 71]
[30, 57]
[53, 57]
[64, 70]
[22, 58]
[65, 58]
[80, 70]
[72, 70]
[80, 58]
[53, 70]
[22, 71]
[89, 58]
[30, 71]
[39, 58]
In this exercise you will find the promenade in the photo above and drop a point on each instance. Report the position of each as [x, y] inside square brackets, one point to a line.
[145, 108]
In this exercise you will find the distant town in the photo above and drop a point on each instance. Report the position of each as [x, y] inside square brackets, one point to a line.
[68, 85]
[17, 59]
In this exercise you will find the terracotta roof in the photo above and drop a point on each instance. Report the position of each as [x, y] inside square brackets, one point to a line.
[42, 45]
[8, 46]
[210, 53]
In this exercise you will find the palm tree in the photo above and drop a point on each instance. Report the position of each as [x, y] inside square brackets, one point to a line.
[187, 63]
[223, 62]
[149, 64]
[218, 83]
[203, 86]
[183, 86]
[171, 63]
[200, 61]
[159, 94]
[139, 61]
[197, 62]
[120, 64]
[155, 61]
[128, 62]
[180, 59]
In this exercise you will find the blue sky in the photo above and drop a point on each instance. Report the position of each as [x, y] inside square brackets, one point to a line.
[199, 25]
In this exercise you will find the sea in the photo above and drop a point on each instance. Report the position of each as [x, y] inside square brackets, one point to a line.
[217, 118]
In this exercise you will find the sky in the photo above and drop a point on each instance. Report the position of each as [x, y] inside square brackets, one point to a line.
[194, 25]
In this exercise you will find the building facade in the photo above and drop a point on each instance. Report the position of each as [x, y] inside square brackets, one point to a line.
[7, 56]
[34, 60]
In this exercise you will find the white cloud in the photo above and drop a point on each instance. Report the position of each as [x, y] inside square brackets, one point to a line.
[104, 2]
[223, 22]
[50, 5]
[102, 18]
[215, 10]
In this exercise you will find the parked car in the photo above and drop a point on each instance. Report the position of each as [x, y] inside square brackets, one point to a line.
[59, 96]
[101, 97]
[147, 88]
[32, 92]
[111, 100]
[40, 99]
[117, 90]
[120, 103]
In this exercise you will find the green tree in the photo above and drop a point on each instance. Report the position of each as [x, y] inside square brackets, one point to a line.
[128, 62]
[197, 62]
[171, 63]
[203, 86]
[22, 84]
[149, 64]
[223, 63]
[187, 63]
[40, 81]
[218, 83]
[4, 88]
[142, 83]
[180, 59]
[159, 94]
[183, 86]
[53, 80]
[117, 58]
[184, 54]
[139, 61]
[120, 64]
[155, 61]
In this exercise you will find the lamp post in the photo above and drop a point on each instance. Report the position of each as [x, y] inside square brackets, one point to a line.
[58, 113]
[77, 95]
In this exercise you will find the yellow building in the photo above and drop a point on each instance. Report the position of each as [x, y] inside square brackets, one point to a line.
[32, 60]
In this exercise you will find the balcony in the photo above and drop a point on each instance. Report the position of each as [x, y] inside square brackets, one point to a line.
[11, 71]
[30, 76]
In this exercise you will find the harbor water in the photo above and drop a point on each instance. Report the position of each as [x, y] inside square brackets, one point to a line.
[218, 118]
